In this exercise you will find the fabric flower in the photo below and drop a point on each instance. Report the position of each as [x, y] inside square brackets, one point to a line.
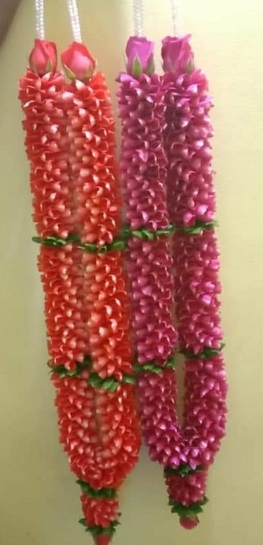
[43, 57]
[77, 61]
[139, 53]
[177, 54]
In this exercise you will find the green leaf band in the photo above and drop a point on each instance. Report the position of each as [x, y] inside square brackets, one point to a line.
[189, 511]
[110, 383]
[121, 242]
[109, 493]
[206, 353]
[98, 530]
[184, 470]
[63, 372]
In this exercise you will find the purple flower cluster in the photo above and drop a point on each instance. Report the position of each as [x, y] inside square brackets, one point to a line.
[143, 162]
[143, 176]
[188, 489]
[174, 112]
[149, 268]
[196, 291]
[191, 200]
[196, 443]
[191, 195]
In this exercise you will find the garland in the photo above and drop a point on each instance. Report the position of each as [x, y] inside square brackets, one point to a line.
[190, 178]
[181, 449]
[169, 244]
[142, 170]
[82, 291]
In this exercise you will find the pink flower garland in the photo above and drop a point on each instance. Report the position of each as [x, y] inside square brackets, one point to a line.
[185, 451]
[191, 199]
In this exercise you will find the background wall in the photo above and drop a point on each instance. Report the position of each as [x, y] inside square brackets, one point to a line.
[39, 501]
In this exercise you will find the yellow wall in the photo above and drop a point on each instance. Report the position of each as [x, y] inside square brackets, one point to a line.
[39, 502]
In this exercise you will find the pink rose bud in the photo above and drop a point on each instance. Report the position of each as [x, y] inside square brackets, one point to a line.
[189, 522]
[177, 55]
[77, 61]
[140, 58]
[43, 57]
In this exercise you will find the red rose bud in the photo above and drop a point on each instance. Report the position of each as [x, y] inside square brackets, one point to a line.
[103, 539]
[189, 523]
[78, 62]
[43, 57]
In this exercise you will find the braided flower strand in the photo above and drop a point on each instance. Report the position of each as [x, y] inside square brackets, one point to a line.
[93, 166]
[47, 150]
[191, 198]
[98, 427]
[112, 449]
[143, 172]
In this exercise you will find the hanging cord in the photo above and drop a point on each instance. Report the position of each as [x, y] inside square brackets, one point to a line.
[176, 19]
[74, 20]
[138, 17]
[40, 26]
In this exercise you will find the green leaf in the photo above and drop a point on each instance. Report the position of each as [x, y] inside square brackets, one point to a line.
[110, 384]
[206, 353]
[151, 367]
[190, 67]
[103, 249]
[189, 511]
[129, 379]
[136, 67]
[97, 530]
[92, 248]
[37, 239]
[109, 493]
[49, 67]
[69, 72]
[161, 232]
[149, 235]
[196, 509]
[150, 68]
[137, 234]
[118, 245]
[183, 470]
[95, 380]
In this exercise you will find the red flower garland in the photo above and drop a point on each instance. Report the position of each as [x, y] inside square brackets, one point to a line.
[98, 427]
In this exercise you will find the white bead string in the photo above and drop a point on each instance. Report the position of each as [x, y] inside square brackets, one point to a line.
[138, 17]
[40, 25]
[176, 17]
[74, 20]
